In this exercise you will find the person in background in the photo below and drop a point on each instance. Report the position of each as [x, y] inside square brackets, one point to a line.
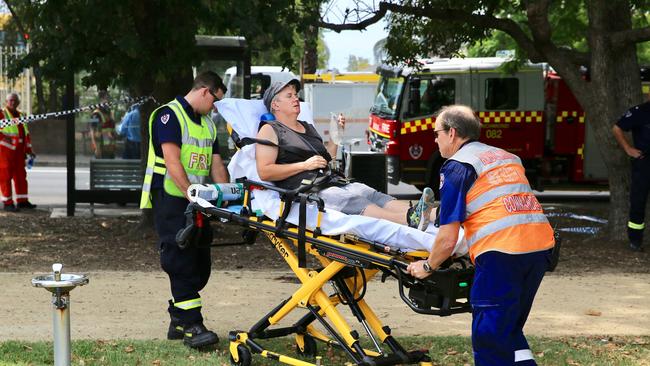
[15, 148]
[129, 128]
[102, 128]
[484, 189]
[637, 121]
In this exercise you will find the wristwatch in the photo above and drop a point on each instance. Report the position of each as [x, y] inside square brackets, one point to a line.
[427, 268]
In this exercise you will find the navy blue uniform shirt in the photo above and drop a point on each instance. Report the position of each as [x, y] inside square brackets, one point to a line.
[166, 128]
[456, 179]
[637, 120]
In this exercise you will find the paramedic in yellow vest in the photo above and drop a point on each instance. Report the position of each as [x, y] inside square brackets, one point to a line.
[484, 189]
[15, 148]
[102, 128]
[183, 149]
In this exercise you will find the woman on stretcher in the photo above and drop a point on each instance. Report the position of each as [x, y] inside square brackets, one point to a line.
[296, 152]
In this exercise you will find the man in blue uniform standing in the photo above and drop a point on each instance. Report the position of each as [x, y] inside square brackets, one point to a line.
[637, 121]
[183, 150]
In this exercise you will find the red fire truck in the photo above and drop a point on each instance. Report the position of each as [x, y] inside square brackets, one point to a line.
[531, 113]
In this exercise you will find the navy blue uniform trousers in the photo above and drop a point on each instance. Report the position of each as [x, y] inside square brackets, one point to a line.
[188, 269]
[639, 189]
[501, 297]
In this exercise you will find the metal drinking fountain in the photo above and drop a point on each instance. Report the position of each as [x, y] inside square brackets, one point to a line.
[60, 285]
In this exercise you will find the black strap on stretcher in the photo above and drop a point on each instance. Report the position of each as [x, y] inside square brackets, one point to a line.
[303, 197]
[302, 228]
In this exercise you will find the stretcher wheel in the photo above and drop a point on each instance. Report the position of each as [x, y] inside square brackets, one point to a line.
[245, 357]
[311, 350]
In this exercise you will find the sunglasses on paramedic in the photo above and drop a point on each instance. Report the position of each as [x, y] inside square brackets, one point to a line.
[214, 95]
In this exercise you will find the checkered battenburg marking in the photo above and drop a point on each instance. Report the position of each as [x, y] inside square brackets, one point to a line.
[486, 117]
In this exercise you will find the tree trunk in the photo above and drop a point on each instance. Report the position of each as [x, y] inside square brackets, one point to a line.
[614, 86]
[40, 98]
[53, 103]
[310, 57]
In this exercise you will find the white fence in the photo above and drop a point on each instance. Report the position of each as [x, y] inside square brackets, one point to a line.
[22, 84]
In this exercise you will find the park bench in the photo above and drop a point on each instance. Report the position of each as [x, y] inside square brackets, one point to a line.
[115, 181]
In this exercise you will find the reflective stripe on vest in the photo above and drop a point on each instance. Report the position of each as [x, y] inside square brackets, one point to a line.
[12, 131]
[196, 153]
[502, 214]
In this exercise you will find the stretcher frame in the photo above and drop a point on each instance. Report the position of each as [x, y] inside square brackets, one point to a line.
[348, 263]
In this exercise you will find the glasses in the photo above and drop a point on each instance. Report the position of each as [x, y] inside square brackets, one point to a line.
[435, 132]
[214, 95]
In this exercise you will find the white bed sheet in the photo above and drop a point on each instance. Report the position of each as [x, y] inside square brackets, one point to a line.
[244, 116]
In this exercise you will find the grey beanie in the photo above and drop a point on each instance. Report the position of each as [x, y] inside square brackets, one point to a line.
[275, 88]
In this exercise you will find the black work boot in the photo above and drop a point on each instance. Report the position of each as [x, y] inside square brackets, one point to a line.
[175, 330]
[10, 208]
[635, 247]
[28, 205]
[197, 336]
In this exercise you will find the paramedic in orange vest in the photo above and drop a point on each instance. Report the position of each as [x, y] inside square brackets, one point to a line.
[15, 147]
[484, 189]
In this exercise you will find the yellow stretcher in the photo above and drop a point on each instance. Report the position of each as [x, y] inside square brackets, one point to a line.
[348, 263]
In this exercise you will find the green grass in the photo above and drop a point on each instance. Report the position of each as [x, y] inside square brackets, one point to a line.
[563, 351]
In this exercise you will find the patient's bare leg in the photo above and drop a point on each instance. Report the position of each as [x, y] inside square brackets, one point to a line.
[394, 211]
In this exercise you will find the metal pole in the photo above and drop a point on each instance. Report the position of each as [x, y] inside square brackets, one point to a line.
[61, 328]
[68, 103]
[60, 286]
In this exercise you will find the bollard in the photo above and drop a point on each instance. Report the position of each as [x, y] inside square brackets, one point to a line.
[60, 285]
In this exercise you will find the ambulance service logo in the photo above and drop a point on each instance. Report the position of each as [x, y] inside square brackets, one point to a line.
[415, 151]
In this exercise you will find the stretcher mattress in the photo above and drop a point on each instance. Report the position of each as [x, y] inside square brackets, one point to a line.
[244, 116]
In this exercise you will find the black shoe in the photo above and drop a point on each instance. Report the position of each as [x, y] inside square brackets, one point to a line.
[175, 330]
[197, 336]
[28, 205]
[11, 208]
[635, 247]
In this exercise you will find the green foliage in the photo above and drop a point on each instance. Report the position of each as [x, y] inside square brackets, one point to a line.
[419, 36]
[358, 63]
[276, 55]
[140, 45]
[116, 42]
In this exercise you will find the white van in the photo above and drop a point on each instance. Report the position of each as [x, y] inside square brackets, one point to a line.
[261, 78]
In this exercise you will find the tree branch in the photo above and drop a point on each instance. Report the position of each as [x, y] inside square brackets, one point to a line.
[537, 13]
[362, 25]
[637, 35]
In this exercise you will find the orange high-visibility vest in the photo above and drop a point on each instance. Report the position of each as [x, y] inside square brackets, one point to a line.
[502, 214]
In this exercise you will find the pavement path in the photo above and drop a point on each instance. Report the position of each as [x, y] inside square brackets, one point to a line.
[117, 305]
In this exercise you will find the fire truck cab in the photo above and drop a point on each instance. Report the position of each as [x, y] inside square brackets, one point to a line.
[510, 107]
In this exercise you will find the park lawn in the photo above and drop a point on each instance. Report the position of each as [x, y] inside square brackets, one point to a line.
[454, 350]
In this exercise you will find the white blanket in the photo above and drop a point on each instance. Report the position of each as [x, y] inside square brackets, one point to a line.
[244, 117]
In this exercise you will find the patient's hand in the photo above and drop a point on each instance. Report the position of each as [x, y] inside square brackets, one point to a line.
[315, 162]
[416, 269]
[341, 121]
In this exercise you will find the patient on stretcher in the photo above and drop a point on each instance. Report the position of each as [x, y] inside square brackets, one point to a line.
[290, 152]
[243, 117]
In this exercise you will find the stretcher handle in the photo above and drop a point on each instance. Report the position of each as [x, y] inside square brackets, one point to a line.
[408, 301]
